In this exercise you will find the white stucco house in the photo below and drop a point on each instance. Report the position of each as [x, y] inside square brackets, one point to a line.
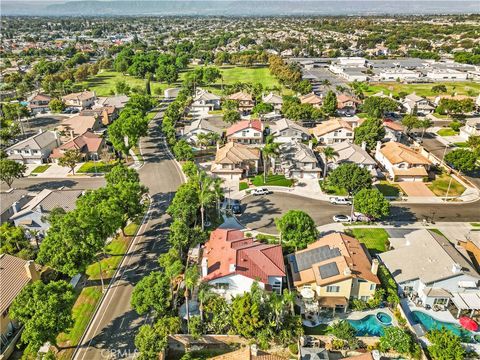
[246, 132]
[285, 130]
[201, 126]
[333, 131]
[34, 150]
[232, 262]
[413, 103]
[471, 128]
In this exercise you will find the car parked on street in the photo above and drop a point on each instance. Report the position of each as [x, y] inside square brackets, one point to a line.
[260, 191]
[340, 201]
[342, 218]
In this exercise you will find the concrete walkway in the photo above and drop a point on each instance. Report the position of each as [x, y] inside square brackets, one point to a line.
[54, 171]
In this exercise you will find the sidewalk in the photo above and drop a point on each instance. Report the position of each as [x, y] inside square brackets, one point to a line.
[54, 171]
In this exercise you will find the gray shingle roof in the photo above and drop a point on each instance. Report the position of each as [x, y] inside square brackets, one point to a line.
[35, 142]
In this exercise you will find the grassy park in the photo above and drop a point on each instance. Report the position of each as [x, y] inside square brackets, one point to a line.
[461, 88]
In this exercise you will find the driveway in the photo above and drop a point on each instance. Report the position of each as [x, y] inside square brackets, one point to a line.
[416, 189]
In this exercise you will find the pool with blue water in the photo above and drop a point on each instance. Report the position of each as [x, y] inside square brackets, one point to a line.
[371, 325]
[430, 323]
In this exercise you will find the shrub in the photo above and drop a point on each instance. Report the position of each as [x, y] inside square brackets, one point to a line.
[293, 348]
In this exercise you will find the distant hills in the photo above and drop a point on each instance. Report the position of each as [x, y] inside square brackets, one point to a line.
[235, 8]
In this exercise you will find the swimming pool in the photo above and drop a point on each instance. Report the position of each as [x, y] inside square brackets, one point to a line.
[370, 326]
[429, 323]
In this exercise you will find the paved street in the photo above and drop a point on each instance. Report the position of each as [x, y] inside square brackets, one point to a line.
[112, 332]
[260, 212]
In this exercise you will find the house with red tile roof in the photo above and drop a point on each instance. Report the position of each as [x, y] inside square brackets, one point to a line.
[246, 132]
[232, 262]
[89, 144]
[245, 101]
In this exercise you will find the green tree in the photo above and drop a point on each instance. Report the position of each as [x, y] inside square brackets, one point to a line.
[45, 310]
[269, 150]
[151, 340]
[424, 124]
[11, 170]
[185, 204]
[343, 330]
[231, 116]
[437, 89]
[190, 280]
[329, 105]
[297, 229]
[183, 151]
[462, 160]
[13, 241]
[445, 345]
[370, 131]
[70, 158]
[206, 194]
[474, 143]
[351, 177]
[410, 122]
[56, 105]
[152, 292]
[329, 153]
[245, 315]
[397, 339]
[122, 88]
[372, 203]
[376, 106]
[262, 108]
[126, 131]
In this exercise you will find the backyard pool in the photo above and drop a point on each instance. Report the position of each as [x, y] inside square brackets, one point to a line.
[429, 323]
[370, 324]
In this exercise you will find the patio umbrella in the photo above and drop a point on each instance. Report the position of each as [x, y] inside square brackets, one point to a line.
[468, 323]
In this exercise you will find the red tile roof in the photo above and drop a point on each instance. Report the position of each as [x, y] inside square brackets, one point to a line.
[86, 142]
[252, 259]
[244, 124]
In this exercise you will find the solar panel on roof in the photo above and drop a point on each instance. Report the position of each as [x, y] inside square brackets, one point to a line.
[328, 270]
[306, 259]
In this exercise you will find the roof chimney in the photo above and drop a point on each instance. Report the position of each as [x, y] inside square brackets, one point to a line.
[456, 268]
[254, 350]
[310, 144]
[375, 266]
[232, 267]
[378, 147]
[32, 272]
[204, 266]
[364, 145]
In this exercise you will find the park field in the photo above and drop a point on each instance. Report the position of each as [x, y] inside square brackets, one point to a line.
[461, 88]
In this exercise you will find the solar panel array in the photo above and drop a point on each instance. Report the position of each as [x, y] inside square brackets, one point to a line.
[306, 259]
[328, 270]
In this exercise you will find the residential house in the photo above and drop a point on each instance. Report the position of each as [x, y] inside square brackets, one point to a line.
[312, 99]
[273, 99]
[232, 262]
[471, 128]
[285, 130]
[88, 144]
[38, 103]
[251, 352]
[15, 273]
[106, 114]
[32, 216]
[81, 100]
[204, 101]
[34, 150]
[333, 270]
[415, 104]
[245, 101]
[393, 130]
[401, 162]
[12, 201]
[78, 124]
[347, 104]
[246, 132]
[201, 126]
[296, 160]
[117, 101]
[234, 160]
[333, 131]
[352, 153]
[430, 269]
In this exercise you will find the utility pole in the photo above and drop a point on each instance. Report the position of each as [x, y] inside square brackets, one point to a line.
[448, 189]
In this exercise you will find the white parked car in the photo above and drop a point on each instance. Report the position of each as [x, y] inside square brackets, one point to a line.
[342, 218]
[340, 201]
[260, 191]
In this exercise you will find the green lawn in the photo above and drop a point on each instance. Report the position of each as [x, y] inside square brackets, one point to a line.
[104, 83]
[461, 144]
[321, 329]
[91, 167]
[40, 169]
[242, 186]
[475, 224]
[461, 88]
[250, 75]
[447, 132]
[272, 180]
[388, 189]
[375, 239]
[440, 186]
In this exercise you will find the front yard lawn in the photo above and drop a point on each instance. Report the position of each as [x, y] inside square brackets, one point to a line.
[440, 186]
[40, 169]
[92, 167]
[272, 180]
[242, 186]
[332, 190]
[388, 189]
[375, 239]
[447, 132]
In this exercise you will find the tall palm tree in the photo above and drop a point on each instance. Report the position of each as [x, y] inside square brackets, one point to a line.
[270, 149]
[425, 124]
[190, 280]
[206, 194]
[329, 153]
[204, 294]
[289, 299]
[202, 140]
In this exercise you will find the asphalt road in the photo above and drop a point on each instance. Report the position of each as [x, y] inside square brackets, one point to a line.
[37, 184]
[112, 332]
[260, 211]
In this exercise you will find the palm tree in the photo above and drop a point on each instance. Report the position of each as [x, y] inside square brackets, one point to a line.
[329, 153]
[190, 279]
[206, 194]
[270, 149]
[204, 294]
[425, 124]
[202, 140]
[213, 137]
[289, 299]
[218, 191]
